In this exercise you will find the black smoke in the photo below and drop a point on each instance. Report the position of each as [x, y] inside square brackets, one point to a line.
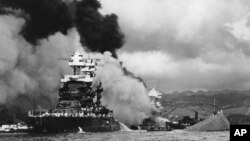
[99, 33]
[132, 75]
[45, 17]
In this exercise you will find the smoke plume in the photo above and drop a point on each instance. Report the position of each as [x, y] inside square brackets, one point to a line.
[44, 17]
[29, 75]
[124, 94]
[98, 32]
[36, 33]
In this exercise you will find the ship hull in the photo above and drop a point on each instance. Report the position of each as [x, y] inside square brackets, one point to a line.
[73, 124]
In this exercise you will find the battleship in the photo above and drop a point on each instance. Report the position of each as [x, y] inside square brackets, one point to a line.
[79, 106]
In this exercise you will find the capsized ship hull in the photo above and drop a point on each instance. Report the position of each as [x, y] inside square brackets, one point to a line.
[216, 122]
[73, 124]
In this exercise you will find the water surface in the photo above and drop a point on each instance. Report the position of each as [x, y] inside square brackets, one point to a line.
[176, 135]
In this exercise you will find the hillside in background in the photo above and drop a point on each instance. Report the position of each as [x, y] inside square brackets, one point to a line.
[234, 103]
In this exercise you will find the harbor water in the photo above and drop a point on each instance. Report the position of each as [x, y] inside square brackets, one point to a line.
[175, 135]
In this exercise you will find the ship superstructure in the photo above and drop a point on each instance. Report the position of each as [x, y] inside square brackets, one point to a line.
[83, 68]
[79, 105]
[155, 97]
[155, 122]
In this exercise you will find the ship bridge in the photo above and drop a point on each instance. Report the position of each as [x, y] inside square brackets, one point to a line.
[83, 68]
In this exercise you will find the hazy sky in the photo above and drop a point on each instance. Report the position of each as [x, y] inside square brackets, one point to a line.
[186, 44]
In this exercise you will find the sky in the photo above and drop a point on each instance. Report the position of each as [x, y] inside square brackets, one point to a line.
[177, 45]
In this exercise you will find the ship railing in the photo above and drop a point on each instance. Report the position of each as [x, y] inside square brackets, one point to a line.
[37, 113]
[69, 114]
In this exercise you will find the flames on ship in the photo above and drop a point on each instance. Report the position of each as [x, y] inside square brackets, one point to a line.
[34, 34]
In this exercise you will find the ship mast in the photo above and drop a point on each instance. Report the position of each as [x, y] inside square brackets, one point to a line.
[214, 106]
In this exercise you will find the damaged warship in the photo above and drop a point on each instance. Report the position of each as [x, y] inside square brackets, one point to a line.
[79, 106]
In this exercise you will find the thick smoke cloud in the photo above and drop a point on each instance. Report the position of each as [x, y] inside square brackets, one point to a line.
[98, 32]
[44, 17]
[36, 33]
[125, 95]
[29, 75]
